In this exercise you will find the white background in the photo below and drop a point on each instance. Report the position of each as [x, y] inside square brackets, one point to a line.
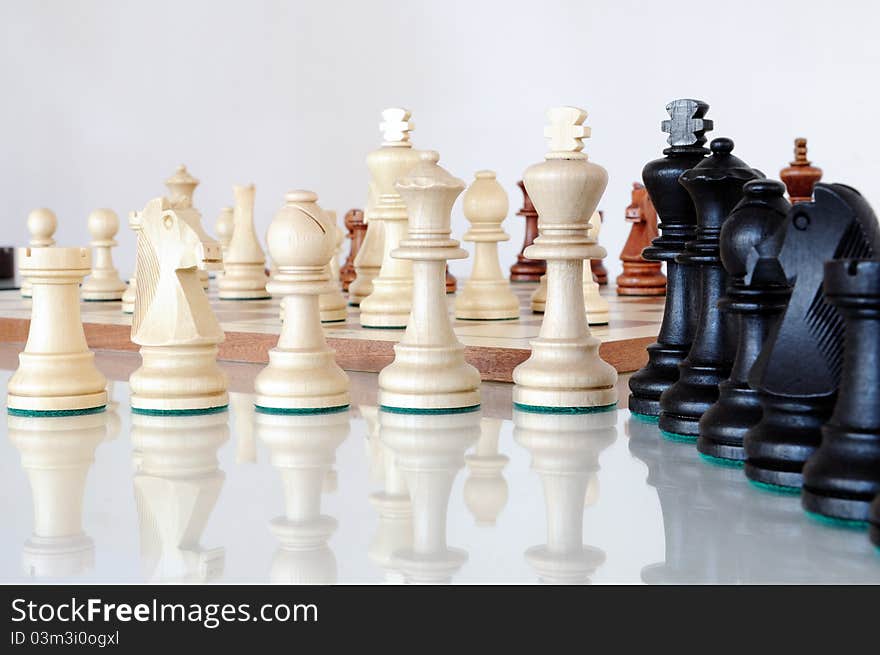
[101, 99]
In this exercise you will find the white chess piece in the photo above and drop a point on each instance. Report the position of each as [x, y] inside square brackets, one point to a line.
[487, 294]
[538, 298]
[391, 301]
[130, 294]
[485, 490]
[429, 372]
[104, 282]
[181, 187]
[596, 306]
[41, 223]
[244, 270]
[173, 322]
[302, 375]
[369, 258]
[334, 307]
[224, 227]
[564, 372]
[56, 372]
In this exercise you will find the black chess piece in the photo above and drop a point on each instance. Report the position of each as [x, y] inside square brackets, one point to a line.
[715, 186]
[756, 296]
[797, 372]
[843, 476]
[875, 522]
[678, 223]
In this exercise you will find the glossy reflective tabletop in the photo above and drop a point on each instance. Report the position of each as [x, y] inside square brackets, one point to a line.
[494, 496]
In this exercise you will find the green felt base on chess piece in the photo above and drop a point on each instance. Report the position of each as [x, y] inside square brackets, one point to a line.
[838, 523]
[383, 327]
[776, 488]
[487, 320]
[300, 411]
[645, 418]
[335, 320]
[100, 299]
[179, 412]
[246, 299]
[681, 438]
[55, 412]
[539, 409]
[429, 410]
[721, 461]
[354, 304]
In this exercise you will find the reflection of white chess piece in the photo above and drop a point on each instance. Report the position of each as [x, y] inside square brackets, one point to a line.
[429, 452]
[565, 452]
[375, 449]
[41, 223]
[302, 449]
[104, 282]
[242, 406]
[57, 453]
[176, 487]
[485, 490]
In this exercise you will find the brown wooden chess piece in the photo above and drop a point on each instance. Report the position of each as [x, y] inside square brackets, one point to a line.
[357, 229]
[525, 269]
[640, 277]
[597, 267]
[451, 282]
[800, 176]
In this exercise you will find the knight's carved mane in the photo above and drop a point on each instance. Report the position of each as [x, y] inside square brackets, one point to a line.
[147, 263]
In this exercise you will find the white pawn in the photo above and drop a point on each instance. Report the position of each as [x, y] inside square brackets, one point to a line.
[564, 372]
[487, 294]
[596, 306]
[224, 227]
[41, 223]
[181, 187]
[302, 375]
[130, 294]
[104, 282]
[244, 269]
[56, 373]
[429, 372]
[334, 307]
[485, 490]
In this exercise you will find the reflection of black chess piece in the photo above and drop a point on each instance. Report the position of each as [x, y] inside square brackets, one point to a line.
[686, 128]
[565, 452]
[302, 449]
[429, 451]
[756, 296]
[843, 476]
[57, 454]
[797, 372]
[176, 486]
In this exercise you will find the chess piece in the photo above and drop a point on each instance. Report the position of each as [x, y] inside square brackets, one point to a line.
[715, 186]
[181, 187]
[177, 483]
[224, 227]
[800, 176]
[429, 453]
[173, 322]
[595, 305]
[130, 294]
[429, 372]
[797, 372]
[391, 301]
[41, 223]
[303, 449]
[843, 476]
[244, 268]
[486, 294]
[57, 454]
[874, 519]
[369, 257]
[640, 277]
[451, 282]
[357, 230]
[565, 453]
[104, 283]
[597, 266]
[756, 296]
[686, 128]
[302, 376]
[56, 374]
[525, 269]
[538, 299]
[241, 406]
[332, 303]
[564, 372]
[485, 490]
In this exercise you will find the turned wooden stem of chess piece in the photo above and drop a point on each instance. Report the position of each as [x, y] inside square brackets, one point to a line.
[244, 269]
[173, 322]
[486, 294]
[595, 305]
[41, 223]
[369, 256]
[334, 308]
[302, 376]
[800, 176]
[391, 301]
[640, 277]
[56, 372]
[104, 283]
[224, 227]
[181, 187]
[357, 230]
[525, 269]
[564, 372]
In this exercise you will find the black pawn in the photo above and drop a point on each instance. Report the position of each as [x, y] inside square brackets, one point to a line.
[756, 296]
[715, 186]
[843, 476]
[678, 225]
[797, 373]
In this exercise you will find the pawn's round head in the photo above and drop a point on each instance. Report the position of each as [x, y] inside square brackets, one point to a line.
[103, 224]
[42, 223]
[300, 233]
[485, 200]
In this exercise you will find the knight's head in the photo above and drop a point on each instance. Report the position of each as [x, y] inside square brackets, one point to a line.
[176, 236]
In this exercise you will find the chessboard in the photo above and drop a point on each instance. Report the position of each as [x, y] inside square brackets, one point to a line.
[252, 328]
